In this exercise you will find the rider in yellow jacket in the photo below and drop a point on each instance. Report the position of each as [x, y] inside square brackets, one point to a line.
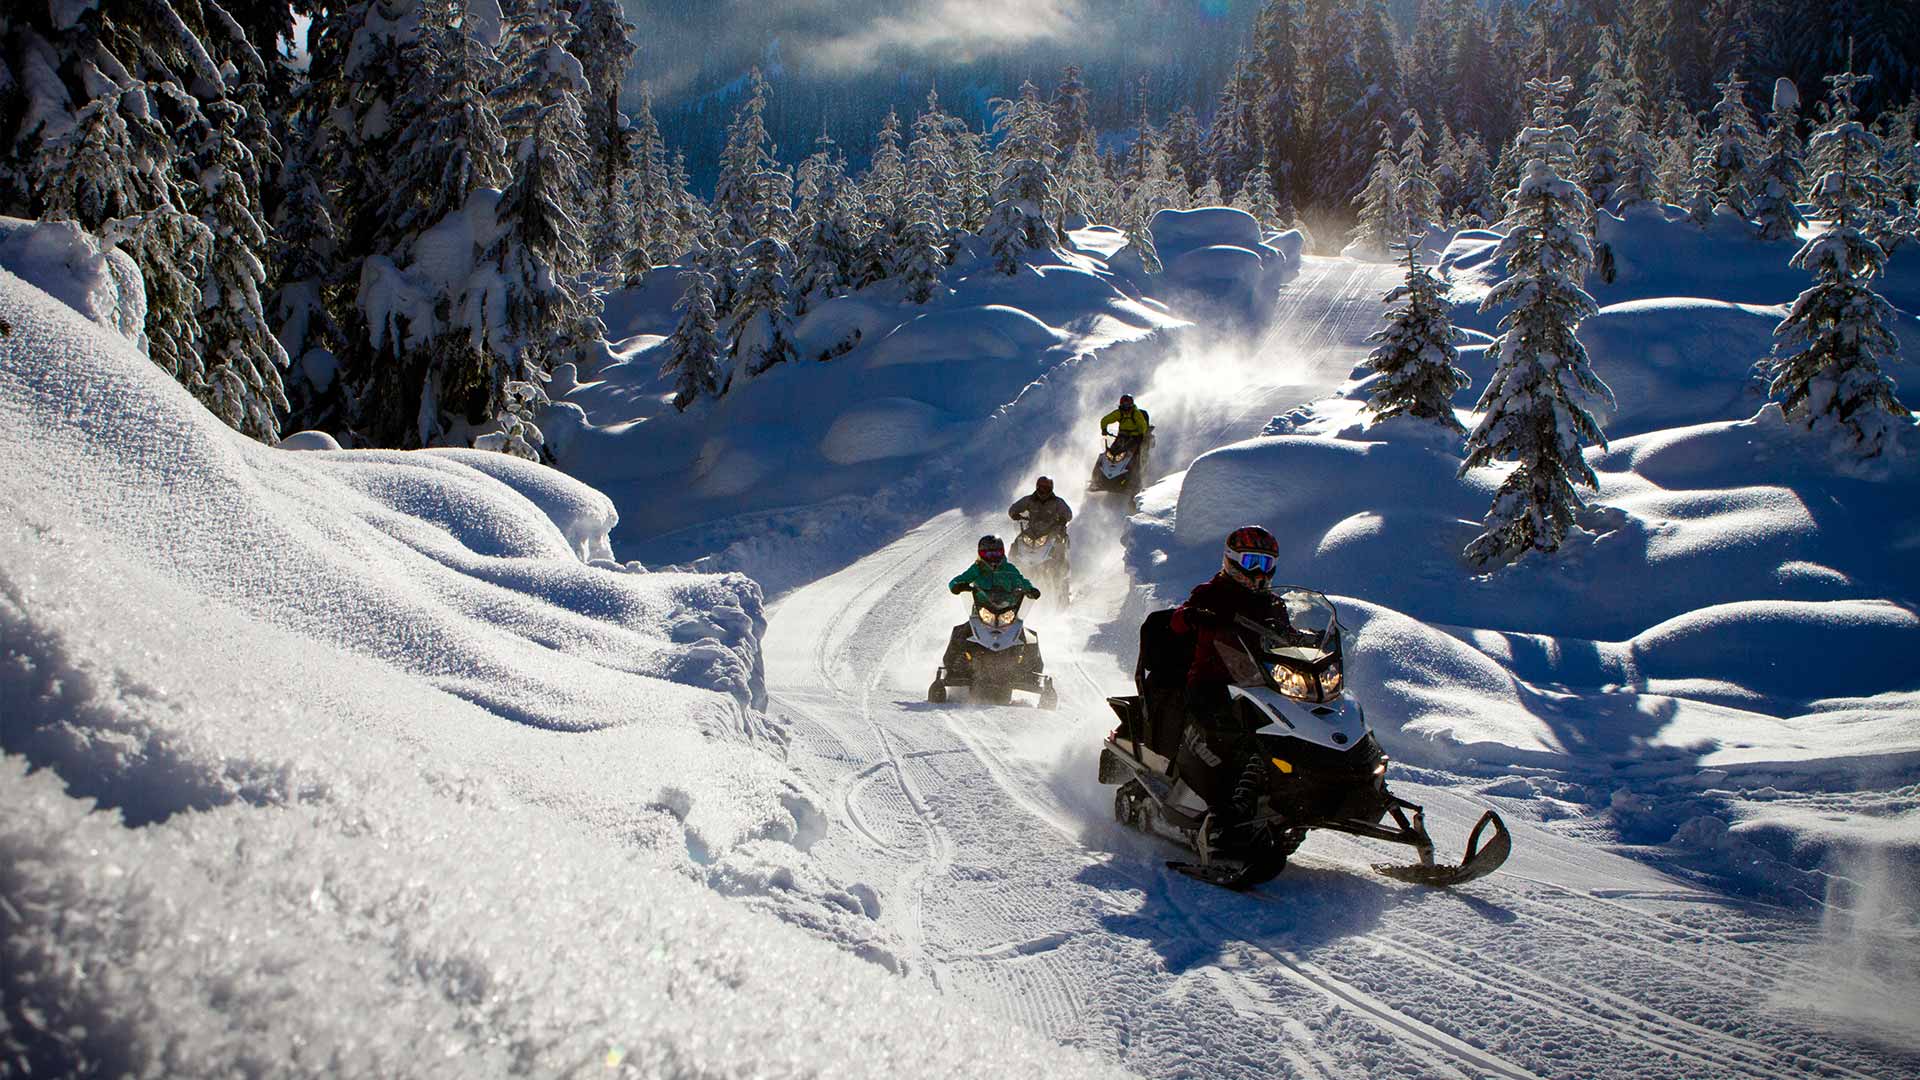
[1129, 420]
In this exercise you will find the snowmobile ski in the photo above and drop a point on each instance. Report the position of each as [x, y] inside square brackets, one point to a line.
[1477, 863]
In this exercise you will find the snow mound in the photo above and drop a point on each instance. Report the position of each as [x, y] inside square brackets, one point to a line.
[889, 427]
[95, 279]
[274, 721]
[991, 332]
[1675, 361]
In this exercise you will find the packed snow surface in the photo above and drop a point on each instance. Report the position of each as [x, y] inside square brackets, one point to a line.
[346, 763]
[403, 755]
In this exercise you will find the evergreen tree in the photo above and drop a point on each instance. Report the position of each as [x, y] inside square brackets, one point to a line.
[1729, 148]
[242, 358]
[1829, 350]
[1383, 217]
[1603, 136]
[450, 142]
[1418, 197]
[1233, 141]
[883, 190]
[823, 255]
[1277, 66]
[515, 433]
[1019, 222]
[1417, 361]
[761, 321]
[1639, 181]
[1257, 198]
[1534, 407]
[748, 153]
[1070, 113]
[1183, 141]
[1780, 175]
[603, 44]
[693, 350]
[1480, 204]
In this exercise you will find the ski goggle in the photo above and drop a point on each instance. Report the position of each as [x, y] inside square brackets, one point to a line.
[992, 556]
[1255, 562]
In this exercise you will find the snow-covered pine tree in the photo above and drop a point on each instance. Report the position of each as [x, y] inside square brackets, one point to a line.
[449, 142]
[1382, 217]
[1447, 170]
[1070, 112]
[1277, 65]
[242, 358]
[1233, 140]
[543, 318]
[1729, 147]
[603, 43]
[1899, 216]
[1826, 365]
[1183, 140]
[1780, 175]
[1534, 409]
[973, 177]
[653, 236]
[1257, 198]
[1480, 203]
[929, 191]
[1083, 185]
[822, 254]
[1417, 361]
[1604, 134]
[1427, 60]
[882, 190]
[693, 349]
[1679, 139]
[1639, 181]
[514, 432]
[748, 151]
[1418, 197]
[761, 322]
[1019, 222]
[304, 253]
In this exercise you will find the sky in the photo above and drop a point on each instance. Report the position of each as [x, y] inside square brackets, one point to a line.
[859, 37]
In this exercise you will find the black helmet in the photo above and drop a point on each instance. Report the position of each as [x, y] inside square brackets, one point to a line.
[1126, 402]
[1043, 486]
[992, 551]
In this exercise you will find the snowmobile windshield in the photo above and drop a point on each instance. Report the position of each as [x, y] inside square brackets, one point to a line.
[1313, 626]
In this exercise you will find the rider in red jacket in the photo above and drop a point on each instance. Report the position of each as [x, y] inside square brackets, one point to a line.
[1215, 750]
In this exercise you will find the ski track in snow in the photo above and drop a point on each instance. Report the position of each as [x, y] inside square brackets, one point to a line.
[1573, 961]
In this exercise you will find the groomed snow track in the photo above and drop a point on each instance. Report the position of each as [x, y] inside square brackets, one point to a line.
[999, 878]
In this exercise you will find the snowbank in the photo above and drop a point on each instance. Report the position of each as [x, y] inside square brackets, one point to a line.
[95, 279]
[1737, 613]
[911, 393]
[345, 763]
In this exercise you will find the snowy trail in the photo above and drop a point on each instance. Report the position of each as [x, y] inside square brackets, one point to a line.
[999, 876]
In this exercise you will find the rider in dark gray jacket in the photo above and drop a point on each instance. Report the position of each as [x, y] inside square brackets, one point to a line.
[1043, 512]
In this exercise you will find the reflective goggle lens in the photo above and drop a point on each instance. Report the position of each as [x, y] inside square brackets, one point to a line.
[1260, 564]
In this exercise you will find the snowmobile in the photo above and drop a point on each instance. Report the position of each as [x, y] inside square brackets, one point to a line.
[1044, 555]
[1119, 465]
[993, 654]
[1318, 764]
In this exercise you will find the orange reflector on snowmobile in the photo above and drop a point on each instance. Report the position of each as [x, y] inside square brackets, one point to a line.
[1282, 766]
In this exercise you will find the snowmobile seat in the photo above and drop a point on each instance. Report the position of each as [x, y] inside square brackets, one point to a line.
[1160, 674]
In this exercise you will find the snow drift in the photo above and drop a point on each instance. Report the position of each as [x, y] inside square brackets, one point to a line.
[346, 763]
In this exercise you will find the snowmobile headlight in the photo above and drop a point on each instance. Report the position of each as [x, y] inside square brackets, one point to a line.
[1292, 683]
[1331, 681]
[997, 619]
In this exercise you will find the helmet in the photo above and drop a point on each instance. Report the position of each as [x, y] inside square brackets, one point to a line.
[1043, 486]
[1251, 554]
[992, 551]
[1126, 401]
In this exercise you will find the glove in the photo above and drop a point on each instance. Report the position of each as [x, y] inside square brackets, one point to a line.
[1034, 593]
[956, 589]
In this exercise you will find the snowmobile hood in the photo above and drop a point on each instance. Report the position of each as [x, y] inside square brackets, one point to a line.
[1338, 725]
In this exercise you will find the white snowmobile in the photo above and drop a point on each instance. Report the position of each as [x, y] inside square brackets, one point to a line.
[1045, 557]
[1317, 766]
[993, 654]
[1119, 465]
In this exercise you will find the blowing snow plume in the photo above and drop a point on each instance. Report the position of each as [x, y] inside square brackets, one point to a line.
[1870, 950]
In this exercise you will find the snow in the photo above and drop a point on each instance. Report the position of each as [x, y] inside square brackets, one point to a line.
[345, 762]
[410, 713]
[93, 278]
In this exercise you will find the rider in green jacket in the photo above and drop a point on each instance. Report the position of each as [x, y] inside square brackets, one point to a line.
[992, 571]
